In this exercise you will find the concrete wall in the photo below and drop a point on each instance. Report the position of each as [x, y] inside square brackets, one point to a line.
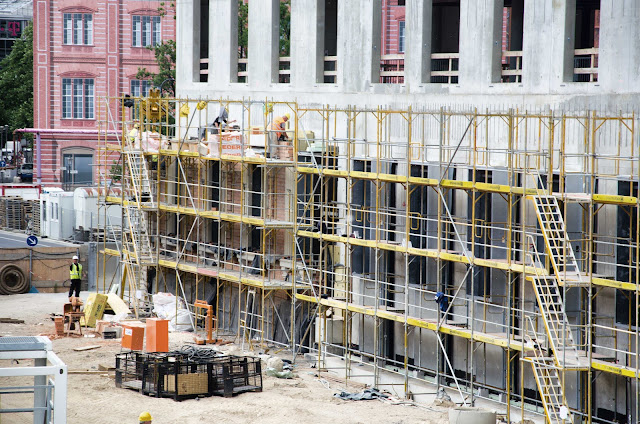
[547, 57]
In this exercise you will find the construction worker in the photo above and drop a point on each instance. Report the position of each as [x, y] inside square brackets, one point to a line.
[279, 126]
[134, 133]
[75, 275]
[145, 418]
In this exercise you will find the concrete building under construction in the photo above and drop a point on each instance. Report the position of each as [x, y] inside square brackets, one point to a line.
[466, 217]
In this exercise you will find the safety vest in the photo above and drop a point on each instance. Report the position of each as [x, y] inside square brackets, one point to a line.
[277, 124]
[75, 273]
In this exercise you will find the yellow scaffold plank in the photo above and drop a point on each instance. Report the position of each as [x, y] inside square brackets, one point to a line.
[110, 252]
[429, 253]
[615, 200]
[114, 199]
[492, 339]
[613, 368]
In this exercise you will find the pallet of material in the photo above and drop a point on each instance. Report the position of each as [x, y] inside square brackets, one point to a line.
[11, 216]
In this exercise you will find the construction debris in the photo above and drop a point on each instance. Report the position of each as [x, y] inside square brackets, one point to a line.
[366, 394]
[11, 321]
[83, 348]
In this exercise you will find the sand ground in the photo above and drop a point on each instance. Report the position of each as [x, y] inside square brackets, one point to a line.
[94, 398]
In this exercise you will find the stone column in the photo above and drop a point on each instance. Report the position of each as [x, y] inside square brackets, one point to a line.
[417, 57]
[619, 55]
[264, 29]
[187, 42]
[307, 42]
[548, 40]
[223, 42]
[359, 47]
[480, 42]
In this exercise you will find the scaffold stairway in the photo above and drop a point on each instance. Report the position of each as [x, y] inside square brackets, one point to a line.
[557, 242]
[140, 242]
[140, 182]
[555, 321]
[549, 382]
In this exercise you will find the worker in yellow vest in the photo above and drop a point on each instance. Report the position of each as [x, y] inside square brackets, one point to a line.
[278, 126]
[75, 275]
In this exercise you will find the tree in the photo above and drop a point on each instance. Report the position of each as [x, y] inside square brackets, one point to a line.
[285, 27]
[243, 29]
[16, 83]
[165, 54]
[284, 33]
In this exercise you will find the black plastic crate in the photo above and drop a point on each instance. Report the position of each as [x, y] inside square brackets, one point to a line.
[174, 375]
[179, 379]
[235, 374]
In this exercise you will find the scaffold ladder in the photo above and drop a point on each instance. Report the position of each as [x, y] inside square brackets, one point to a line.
[139, 174]
[549, 382]
[555, 321]
[563, 260]
[139, 242]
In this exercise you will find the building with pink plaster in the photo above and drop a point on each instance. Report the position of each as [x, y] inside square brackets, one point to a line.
[84, 52]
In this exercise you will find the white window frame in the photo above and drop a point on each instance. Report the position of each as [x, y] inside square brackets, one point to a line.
[140, 88]
[77, 29]
[78, 95]
[146, 31]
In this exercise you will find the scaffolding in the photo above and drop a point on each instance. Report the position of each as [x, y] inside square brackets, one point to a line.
[491, 252]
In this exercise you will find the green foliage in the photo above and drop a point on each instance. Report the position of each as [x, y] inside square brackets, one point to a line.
[16, 83]
[243, 29]
[162, 9]
[165, 54]
[115, 172]
[285, 27]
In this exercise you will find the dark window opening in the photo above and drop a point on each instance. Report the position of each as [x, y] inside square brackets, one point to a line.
[627, 235]
[512, 35]
[418, 226]
[587, 35]
[204, 40]
[330, 40]
[361, 217]
[445, 41]
[480, 234]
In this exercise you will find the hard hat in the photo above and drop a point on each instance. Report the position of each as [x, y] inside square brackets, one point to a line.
[145, 416]
[288, 115]
[136, 126]
[75, 257]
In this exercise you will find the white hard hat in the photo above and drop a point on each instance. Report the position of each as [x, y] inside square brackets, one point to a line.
[75, 257]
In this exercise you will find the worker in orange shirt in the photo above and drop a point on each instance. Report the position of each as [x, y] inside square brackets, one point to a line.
[279, 126]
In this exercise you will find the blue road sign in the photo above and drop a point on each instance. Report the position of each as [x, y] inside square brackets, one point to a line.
[3, 164]
[32, 241]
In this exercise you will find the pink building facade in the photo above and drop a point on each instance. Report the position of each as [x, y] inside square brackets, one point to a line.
[84, 52]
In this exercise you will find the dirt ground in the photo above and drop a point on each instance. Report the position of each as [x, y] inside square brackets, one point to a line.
[93, 397]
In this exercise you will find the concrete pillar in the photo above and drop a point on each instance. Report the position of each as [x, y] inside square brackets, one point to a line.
[359, 47]
[417, 58]
[548, 42]
[619, 58]
[480, 42]
[187, 42]
[264, 28]
[307, 42]
[223, 42]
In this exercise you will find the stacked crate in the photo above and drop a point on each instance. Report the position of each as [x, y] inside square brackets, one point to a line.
[35, 216]
[11, 216]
